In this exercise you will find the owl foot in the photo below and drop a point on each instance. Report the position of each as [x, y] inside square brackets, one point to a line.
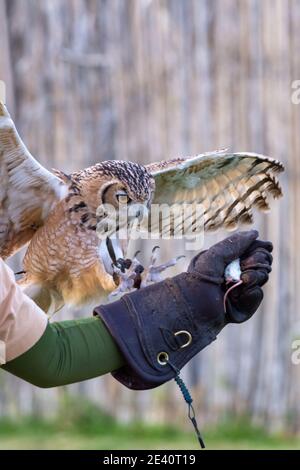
[131, 275]
[126, 274]
[154, 272]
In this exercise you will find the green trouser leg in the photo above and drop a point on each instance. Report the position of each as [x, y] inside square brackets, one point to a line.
[68, 352]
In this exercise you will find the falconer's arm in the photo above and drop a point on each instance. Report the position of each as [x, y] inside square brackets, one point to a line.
[50, 354]
[144, 338]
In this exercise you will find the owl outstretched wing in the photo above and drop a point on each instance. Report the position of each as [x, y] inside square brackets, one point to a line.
[227, 185]
[28, 191]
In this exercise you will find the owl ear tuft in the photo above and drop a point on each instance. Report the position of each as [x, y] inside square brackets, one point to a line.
[62, 176]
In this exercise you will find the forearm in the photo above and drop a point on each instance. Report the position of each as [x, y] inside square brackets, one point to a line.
[68, 352]
[22, 322]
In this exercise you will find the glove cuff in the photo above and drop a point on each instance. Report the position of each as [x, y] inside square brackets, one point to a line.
[162, 322]
[140, 373]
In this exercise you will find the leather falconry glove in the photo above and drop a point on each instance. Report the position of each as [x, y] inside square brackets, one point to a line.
[161, 327]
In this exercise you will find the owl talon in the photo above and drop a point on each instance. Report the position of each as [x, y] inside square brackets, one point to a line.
[126, 282]
[123, 264]
[127, 274]
[154, 273]
[132, 275]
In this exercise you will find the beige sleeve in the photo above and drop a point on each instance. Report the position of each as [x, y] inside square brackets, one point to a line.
[22, 322]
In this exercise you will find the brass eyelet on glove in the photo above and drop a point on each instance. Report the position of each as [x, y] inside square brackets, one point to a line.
[189, 336]
[162, 358]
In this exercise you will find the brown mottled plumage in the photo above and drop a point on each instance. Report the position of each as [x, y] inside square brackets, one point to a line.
[57, 213]
[63, 253]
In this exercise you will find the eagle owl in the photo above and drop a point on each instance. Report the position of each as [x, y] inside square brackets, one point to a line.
[56, 214]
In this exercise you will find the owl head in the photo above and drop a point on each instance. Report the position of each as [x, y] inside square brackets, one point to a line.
[113, 181]
[125, 187]
[125, 183]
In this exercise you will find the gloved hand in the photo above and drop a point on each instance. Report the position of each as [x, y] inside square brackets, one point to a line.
[161, 327]
[256, 264]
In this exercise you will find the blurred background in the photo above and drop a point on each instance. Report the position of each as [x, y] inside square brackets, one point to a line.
[145, 80]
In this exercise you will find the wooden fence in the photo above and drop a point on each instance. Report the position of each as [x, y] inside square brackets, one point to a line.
[144, 80]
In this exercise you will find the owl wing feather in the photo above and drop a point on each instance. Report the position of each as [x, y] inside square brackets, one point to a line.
[227, 185]
[28, 191]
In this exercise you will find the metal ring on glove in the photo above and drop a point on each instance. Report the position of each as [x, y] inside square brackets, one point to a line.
[163, 358]
[188, 334]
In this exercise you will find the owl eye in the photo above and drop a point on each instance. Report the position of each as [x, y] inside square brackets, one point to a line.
[123, 198]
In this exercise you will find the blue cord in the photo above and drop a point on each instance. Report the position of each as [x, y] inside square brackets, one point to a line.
[184, 390]
[188, 399]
